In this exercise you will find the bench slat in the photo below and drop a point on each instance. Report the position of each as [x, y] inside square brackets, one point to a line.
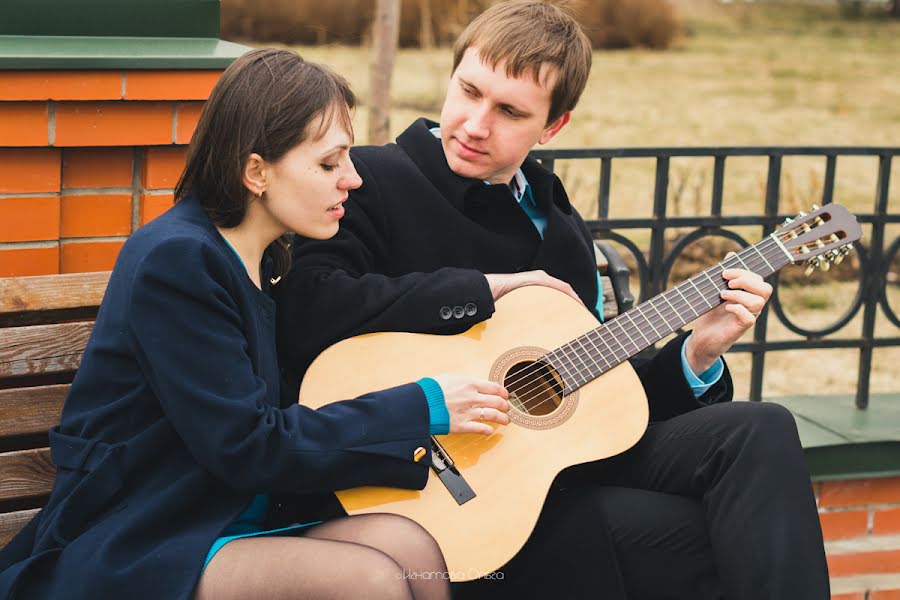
[29, 411]
[51, 298]
[26, 474]
[13, 522]
[42, 349]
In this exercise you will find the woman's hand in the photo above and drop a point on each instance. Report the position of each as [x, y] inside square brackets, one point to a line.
[470, 401]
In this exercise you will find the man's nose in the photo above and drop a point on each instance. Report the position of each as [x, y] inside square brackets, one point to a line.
[477, 125]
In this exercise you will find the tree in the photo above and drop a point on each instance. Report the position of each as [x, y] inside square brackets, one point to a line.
[385, 34]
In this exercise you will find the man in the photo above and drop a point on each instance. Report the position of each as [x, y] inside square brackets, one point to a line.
[715, 499]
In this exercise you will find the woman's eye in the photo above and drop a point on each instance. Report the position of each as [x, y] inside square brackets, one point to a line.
[328, 167]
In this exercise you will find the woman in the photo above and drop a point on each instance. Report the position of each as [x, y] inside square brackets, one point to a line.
[179, 460]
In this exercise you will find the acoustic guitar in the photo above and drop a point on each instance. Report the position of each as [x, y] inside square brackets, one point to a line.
[574, 396]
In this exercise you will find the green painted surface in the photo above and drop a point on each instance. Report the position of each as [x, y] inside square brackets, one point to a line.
[25, 52]
[139, 18]
[842, 442]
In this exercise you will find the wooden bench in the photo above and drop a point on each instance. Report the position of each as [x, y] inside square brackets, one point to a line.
[45, 323]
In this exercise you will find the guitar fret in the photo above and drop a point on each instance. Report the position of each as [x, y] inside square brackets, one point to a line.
[650, 322]
[622, 327]
[660, 315]
[665, 296]
[608, 347]
[696, 314]
[588, 354]
[741, 260]
[599, 352]
[631, 318]
[691, 280]
[761, 255]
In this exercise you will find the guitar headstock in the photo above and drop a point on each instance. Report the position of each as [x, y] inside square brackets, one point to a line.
[822, 237]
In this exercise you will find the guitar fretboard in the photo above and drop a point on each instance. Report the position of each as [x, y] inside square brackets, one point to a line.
[599, 350]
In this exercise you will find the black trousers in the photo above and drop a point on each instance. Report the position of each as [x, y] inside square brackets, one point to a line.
[715, 503]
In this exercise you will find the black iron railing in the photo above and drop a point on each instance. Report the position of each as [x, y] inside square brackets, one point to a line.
[655, 264]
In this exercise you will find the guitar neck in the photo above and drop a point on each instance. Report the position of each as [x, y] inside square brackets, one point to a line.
[587, 357]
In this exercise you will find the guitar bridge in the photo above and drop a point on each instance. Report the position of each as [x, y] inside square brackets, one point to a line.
[443, 466]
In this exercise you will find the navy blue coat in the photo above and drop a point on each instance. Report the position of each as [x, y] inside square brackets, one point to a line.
[174, 423]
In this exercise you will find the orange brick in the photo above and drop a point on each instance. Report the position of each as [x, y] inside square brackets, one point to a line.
[29, 170]
[113, 124]
[162, 167]
[170, 85]
[886, 521]
[22, 262]
[60, 85]
[24, 124]
[886, 561]
[853, 596]
[153, 206]
[97, 167]
[88, 216]
[884, 595]
[86, 257]
[860, 491]
[188, 116]
[845, 524]
[29, 219]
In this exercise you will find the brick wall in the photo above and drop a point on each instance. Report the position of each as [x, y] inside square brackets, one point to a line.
[861, 523]
[86, 157]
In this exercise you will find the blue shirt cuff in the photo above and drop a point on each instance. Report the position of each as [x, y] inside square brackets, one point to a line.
[438, 416]
[699, 384]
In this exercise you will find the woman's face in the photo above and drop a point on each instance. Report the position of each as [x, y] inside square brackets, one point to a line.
[306, 189]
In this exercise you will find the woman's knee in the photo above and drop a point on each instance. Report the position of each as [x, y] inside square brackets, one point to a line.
[380, 575]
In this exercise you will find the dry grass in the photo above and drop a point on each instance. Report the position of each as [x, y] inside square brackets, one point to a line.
[424, 23]
[745, 74]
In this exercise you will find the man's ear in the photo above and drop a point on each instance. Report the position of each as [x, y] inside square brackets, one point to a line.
[254, 176]
[553, 128]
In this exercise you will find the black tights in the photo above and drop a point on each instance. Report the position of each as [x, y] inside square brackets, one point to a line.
[366, 556]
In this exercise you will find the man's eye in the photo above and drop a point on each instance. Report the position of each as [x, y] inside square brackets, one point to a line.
[468, 91]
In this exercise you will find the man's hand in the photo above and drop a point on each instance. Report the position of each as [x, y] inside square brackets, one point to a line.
[503, 283]
[716, 331]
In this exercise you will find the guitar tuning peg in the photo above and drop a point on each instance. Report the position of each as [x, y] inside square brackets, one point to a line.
[810, 267]
[801, 214]
[788, 221]
[815, 207]
[825, 265]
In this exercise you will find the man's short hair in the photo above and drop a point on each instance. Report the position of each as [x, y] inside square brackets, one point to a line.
[528, 34]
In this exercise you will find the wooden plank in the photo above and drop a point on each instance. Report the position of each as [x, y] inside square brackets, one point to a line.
[26, 474]
[41, 349]
[602, 262]
[610, 304]
[51, 298]
[11, 523]
[33, 410]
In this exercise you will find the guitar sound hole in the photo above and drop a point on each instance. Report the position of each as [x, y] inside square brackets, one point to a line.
[534, 388]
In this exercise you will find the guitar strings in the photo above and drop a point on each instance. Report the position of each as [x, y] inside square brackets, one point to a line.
[569, 352]
[530, 398]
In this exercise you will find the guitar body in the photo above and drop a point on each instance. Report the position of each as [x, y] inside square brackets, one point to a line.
[511, 470]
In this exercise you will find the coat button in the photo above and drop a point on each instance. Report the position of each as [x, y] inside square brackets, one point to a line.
[418, 453]
[471, 309]
[459, 312]
[446, 313]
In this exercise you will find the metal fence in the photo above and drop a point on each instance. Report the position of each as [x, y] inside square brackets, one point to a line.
[875, 253]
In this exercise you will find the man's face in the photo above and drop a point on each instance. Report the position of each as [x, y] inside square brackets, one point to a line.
[491, 121]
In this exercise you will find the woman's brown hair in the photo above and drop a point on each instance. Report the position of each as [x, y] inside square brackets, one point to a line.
[267, 102]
